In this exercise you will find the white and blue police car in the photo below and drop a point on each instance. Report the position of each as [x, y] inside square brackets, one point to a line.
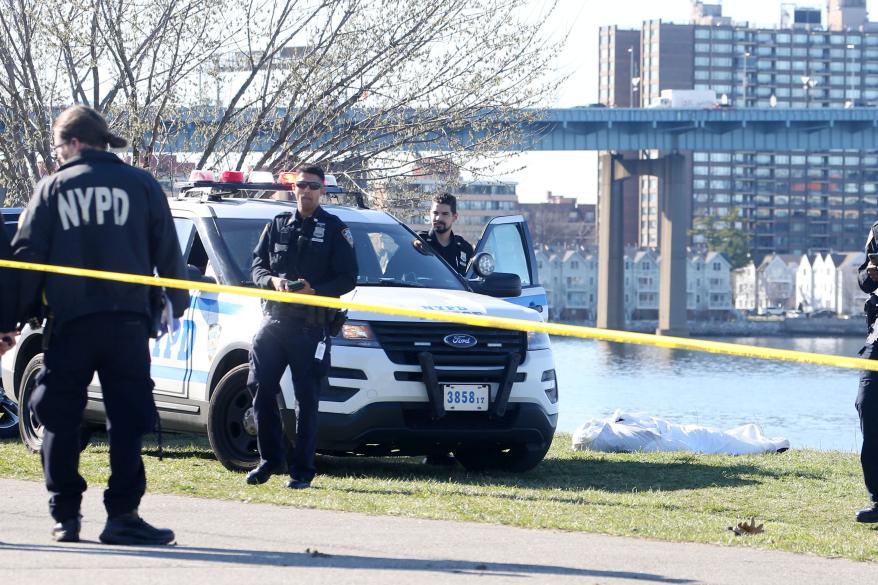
[397, 385]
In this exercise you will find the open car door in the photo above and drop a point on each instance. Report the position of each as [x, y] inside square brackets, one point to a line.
[508, 240]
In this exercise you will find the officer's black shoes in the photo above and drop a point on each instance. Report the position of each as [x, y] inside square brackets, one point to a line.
[298, 484]
[67, 531]
[130, 528]
[869, 515]
[264, 472]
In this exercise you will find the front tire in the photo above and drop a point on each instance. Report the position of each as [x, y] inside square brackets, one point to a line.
[517, 458]
[230, 424]
[29, 428]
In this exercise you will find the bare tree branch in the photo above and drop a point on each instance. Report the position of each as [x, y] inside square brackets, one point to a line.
[365, 88]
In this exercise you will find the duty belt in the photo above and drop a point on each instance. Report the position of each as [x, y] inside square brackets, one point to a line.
[289, 311]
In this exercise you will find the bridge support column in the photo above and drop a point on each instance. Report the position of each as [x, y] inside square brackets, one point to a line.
[675, 212]
[611, 245]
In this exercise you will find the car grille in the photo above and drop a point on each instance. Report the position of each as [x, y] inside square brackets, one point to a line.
[404, 341]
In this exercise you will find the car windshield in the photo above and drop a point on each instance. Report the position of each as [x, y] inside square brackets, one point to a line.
[386, 255]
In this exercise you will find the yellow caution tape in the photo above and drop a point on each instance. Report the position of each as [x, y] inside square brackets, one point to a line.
[720, 347]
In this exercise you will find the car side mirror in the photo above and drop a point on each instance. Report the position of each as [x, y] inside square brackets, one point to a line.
[498, 284]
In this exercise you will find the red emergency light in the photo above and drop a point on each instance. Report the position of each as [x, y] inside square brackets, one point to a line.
[232, 177]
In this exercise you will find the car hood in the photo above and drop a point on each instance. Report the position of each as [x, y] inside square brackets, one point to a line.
[452, 301]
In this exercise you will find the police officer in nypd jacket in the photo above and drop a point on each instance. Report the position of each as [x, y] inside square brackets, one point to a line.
[867, 397]
[309, 252]
[444, 242]
[97, 212]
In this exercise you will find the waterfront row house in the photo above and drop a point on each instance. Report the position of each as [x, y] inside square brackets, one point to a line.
[807, 283]
[571, 276]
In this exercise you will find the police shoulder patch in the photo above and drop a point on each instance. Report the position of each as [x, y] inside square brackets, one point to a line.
[348, 236]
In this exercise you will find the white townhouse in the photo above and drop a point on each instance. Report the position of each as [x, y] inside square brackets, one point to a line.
[642, 290]
[805, 282]
[744, 287]
[708, 286]
[717, 290]
[826, 281]
[776, 283]
[579, 272]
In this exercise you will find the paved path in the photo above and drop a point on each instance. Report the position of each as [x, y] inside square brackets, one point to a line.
[241, 544]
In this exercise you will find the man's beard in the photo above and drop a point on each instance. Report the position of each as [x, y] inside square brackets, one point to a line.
[441, 228]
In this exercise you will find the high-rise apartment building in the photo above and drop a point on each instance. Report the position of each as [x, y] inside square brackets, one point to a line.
[789, 202]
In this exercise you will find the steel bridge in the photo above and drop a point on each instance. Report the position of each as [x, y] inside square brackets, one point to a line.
[672, 131]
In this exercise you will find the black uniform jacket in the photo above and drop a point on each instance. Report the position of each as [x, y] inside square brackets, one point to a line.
[319, 249]
[8, 287]
[98, 212]
[457, 253]
[867, 285]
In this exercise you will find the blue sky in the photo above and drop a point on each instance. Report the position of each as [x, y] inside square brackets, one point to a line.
[553, 171]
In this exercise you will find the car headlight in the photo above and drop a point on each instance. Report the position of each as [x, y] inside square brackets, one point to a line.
[538, 340]
[357, 333]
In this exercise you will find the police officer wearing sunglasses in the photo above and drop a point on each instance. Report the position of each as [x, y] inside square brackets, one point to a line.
[310, 252]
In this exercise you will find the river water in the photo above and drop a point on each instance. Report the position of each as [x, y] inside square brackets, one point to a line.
[812, 406]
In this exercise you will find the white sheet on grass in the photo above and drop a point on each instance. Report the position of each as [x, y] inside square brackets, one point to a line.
[626, 432]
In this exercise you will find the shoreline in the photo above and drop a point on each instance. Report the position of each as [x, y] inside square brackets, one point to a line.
[763, 327]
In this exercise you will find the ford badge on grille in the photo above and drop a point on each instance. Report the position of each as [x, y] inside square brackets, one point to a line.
[460, 340]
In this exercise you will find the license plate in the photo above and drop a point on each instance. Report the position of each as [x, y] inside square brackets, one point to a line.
[466, 396]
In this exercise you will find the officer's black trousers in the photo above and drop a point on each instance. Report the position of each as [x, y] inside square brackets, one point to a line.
[867, 407]
[115, 345]
[280, 343]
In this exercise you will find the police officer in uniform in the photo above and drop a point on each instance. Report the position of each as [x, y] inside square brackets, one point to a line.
[867, 397]
[453, 248]
[97, 212]
[456, 251]
[309, 252]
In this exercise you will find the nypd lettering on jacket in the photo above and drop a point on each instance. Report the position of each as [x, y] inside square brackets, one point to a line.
[93, 205]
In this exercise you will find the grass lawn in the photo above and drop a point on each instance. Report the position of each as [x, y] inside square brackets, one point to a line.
[806, 499]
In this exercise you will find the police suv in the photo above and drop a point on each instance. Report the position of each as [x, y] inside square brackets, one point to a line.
[397, 385]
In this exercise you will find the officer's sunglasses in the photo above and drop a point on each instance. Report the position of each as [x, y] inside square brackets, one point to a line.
[313, 185]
